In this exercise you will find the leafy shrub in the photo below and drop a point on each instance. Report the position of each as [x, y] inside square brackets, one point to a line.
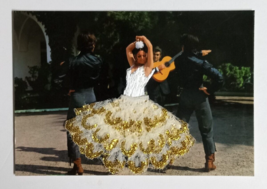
[235, 78]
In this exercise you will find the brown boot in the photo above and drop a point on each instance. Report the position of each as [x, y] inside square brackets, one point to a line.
[77, 168]
[209, 166]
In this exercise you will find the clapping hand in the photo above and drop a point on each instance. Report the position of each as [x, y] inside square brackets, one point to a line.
[71, 91]
[204, 89]
[205, 52]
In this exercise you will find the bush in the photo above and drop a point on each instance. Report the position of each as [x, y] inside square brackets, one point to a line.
[44, 93]
[236, 79]
[20, 87]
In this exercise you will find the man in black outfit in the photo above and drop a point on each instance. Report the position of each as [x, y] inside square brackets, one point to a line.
[190, 69]
[84, 71]
[157, 91]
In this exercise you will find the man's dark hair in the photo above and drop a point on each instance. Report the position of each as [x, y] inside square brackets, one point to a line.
[86, 41]
[190, 42]
[157, 49]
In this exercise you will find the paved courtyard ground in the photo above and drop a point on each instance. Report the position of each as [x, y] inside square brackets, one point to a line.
[41, 145]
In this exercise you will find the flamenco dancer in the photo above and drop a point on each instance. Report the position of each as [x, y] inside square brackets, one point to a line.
[131, 129]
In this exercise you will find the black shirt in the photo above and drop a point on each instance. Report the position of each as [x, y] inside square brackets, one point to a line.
[84, 70]
[190, 69]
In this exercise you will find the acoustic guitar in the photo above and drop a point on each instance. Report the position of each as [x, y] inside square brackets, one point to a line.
[170, 66]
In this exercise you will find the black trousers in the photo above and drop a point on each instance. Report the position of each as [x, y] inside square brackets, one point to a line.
[157, 91]
[77, 100]
[157, 96]
[194, 100]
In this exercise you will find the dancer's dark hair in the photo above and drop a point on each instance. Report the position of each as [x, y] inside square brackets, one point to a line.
[135, 51]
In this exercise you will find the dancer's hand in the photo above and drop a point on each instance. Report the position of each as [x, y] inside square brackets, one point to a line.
[140, 38]
[71, 91]
[205, 52]
[204, 89]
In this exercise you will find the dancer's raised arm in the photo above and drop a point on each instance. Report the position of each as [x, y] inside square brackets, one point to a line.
[129, 53]
[149, 64]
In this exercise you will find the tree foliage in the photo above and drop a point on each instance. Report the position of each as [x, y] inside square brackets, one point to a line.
[229, 34]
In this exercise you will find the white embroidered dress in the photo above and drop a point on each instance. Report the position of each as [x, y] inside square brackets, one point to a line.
[136, 82]
[130, 130]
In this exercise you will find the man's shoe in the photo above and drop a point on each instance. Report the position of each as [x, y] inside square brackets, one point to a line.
[77, 168]
[209, 166]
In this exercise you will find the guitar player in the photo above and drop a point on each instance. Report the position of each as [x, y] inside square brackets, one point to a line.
[158, 87]
[157, 91]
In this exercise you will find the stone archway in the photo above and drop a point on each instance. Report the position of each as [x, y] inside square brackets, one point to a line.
[48, 49]
[30, 44]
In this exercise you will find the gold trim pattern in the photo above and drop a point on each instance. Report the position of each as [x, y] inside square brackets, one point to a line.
[123, 126]
[79, 140]
[160, 164]
[156, 121]
[174, 134]
[89, 151]
[150, 147]
[84, 108]
[136, 170]
[71, 128]
[84, 122]
[101, 140]
[186, 144]
[135, 126]
[113, 167]
[78, 111]
[111, 145]
[98, 111]
[130, 152]
[161, 144]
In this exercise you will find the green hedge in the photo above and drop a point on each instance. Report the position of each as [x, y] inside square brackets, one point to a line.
[236, 79]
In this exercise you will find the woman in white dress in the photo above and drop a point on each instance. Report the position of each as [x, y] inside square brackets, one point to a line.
[131, 130]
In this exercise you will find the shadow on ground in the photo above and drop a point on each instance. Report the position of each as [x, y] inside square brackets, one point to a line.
[176, 168]
[57, 155]
[49, 170]
[61, 156]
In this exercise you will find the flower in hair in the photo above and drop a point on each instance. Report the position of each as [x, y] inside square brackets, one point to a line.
[139, 44]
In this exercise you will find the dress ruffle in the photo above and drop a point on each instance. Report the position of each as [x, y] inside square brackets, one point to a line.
[129, 130]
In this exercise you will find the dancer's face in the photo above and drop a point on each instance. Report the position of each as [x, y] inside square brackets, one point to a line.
[141, 57]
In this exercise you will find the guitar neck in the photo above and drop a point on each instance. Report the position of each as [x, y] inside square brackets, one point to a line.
[167, 62]
[177, 55]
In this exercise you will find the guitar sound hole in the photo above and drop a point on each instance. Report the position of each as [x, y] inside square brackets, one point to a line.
[167, 64]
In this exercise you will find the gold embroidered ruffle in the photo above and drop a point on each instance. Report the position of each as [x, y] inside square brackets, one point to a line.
[150, 150]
